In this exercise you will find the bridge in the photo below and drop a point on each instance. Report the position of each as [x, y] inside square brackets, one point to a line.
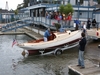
[36, 21]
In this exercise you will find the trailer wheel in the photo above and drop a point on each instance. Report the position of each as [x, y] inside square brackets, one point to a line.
[58, 52]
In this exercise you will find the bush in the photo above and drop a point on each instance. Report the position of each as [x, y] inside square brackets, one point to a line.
[57, 25]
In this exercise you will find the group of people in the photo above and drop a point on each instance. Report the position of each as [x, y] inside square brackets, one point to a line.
[60, 17]
[89, 23]
[82, 42]
[85, 26]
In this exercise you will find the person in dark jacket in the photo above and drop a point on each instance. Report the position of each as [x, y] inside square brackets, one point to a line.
[82, 45]
[94, 23]
[88, 23]
[77, 22]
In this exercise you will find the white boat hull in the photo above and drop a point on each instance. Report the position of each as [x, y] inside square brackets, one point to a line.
[60, 40]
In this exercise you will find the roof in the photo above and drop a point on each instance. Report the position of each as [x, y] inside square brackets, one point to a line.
[11, 11]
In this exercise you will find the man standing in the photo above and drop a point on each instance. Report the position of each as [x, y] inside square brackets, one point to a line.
[94, 23]
[77, 22]
[82, 44]
[88, 23]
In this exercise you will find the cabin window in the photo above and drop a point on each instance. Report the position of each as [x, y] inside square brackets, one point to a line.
[80, 13]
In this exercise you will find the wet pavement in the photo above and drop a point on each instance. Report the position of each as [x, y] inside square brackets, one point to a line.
[13, 63]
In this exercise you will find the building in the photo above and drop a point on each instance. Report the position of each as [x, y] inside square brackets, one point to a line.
[97, 13]
[9, 16]
[83, 9]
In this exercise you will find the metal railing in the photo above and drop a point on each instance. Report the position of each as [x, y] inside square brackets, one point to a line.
[40, 21]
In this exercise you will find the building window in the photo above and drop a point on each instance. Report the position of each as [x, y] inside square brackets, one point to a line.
[80, 13]
[81, 1]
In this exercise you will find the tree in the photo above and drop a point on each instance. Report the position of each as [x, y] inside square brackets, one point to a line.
[25, 3]
[16, 13]
[66, 9]
[61, 9]
[98, 1]
[19, 6]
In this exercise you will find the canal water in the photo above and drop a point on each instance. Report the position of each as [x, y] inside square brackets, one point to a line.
[12, 61]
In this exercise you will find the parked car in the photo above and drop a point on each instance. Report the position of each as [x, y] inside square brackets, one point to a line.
[94, 33]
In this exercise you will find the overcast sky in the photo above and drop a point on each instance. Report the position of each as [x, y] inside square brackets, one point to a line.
[12, 4]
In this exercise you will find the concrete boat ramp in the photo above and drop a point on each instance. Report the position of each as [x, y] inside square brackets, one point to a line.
[27, 31]
[90, 69]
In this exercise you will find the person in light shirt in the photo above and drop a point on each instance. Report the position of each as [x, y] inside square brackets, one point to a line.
[84, 27]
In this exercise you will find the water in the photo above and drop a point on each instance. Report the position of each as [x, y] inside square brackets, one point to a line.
[13, 63]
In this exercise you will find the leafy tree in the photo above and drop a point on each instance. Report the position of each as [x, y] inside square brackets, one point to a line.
[19, 6]
[61, 8]
[16, 12]
[98, 1]
[66, 9]
[25, 3]
[57, 25]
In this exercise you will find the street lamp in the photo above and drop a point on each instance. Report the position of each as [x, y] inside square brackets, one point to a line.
[88, 8]
[78, 8]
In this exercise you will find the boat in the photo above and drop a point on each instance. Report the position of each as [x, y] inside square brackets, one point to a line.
[56, 44]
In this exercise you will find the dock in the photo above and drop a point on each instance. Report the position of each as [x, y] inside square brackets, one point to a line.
[11, 33]
[26, 31]
[90, 69]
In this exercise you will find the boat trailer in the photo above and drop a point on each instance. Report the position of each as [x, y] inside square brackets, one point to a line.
[59, 50]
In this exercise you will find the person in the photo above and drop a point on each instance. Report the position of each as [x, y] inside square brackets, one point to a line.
[82, 45]
[46, 34]
[94, 22]
[61, 29]
[59, 17]
[69, 18]
[77, 22]
[88, 23]
[84, 27]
